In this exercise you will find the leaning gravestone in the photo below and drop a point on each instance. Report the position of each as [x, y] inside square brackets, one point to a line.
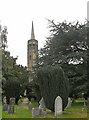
[58, 106]
[5, 105]
[69, 103]
[42, 104]
[11, 106]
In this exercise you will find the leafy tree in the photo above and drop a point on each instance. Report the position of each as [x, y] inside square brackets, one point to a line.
[52, 83]
[67, 46]
[10, 70]
[12, 89]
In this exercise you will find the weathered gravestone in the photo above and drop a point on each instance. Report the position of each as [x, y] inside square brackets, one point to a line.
[5, 105]
[12, 101]
[35, 112]
[4, 100]
[11, 106]
[11, 109]
[42, 104]
[69, 103]
[58, 106]
[38, 112]
[43, 113]
[30, 106]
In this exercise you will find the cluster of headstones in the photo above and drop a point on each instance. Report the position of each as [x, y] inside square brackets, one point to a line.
[10, 107]
[41, 111]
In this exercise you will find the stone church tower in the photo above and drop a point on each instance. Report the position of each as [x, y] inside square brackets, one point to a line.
[32, 50]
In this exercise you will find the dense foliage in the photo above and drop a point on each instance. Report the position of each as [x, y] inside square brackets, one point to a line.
[68, 47]
[12, 89]
[52, 83]
[12, 74]
[33, 91]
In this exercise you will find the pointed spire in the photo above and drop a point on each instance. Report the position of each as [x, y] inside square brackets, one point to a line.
[32, 32]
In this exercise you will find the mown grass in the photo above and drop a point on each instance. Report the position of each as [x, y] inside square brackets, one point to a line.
[21, 113]
[74, 112]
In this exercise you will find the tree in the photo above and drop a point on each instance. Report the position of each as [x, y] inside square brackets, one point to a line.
[8, 67]
[10, 70]
[67, 46]
[52, 83]
[12, 89]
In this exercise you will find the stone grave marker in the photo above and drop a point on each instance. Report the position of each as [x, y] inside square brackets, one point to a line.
[11, 106]
[43, 113]
[11, 109]
[4, 100]
[69, 103]
[30, 106]
[35, 112]
[42, 104]
[5, 107]
[58, 106]
[12, 101]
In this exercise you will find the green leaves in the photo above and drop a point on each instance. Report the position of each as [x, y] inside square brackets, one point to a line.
[68, 47]
[52, 83]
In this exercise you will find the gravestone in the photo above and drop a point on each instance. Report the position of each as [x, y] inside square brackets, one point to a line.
[12, 101]
[11, 106]
[30, 106]
[36, 112]
[11, 109]
[69, 103]
[5, 107]
[4, 100]
[58, 106]
[43, 113]
[42, 104]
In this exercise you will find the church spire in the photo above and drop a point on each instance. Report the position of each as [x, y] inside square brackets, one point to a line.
[32, 32]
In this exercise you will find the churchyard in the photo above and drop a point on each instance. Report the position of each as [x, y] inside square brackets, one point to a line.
[76, 110]
[57, 86]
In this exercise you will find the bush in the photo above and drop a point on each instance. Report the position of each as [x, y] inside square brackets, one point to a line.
[53, 83]
[12, 89]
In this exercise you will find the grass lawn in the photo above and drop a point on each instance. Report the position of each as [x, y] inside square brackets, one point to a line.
[74, 112]
[22, 113]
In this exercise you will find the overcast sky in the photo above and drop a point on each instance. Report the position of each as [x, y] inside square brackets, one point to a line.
[17, 15]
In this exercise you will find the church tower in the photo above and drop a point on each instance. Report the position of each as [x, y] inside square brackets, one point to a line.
[32, 50]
